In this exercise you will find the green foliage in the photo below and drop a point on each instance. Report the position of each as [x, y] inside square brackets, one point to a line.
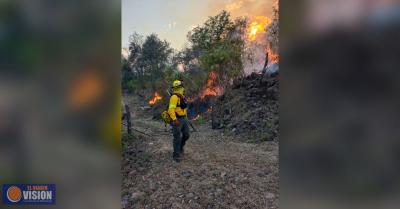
[154, 57]
[201, 120]
[215, 46]
[131, 85]
[224, 59]
[219, 46]
[172, 74]
[146, 64]
[126, 74]
[213, 31]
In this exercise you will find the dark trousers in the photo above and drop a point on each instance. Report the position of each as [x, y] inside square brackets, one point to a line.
[181, 135]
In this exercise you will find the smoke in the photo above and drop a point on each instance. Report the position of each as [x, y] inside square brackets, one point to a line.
[254, 59]
[261, 32]
[257, 11]
[249, 8]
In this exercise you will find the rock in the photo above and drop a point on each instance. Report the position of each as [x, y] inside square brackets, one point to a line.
[269, 195]
[174, 185]
[186, 174]
[248, 106]
[125, 201]
[190, 195]
[137, 195]
[215, 123]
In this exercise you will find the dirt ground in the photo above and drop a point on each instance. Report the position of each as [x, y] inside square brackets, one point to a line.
[215, 172]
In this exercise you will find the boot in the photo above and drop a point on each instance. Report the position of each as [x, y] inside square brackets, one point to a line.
[177, 159]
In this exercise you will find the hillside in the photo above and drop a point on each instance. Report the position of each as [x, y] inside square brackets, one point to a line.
[249, 109]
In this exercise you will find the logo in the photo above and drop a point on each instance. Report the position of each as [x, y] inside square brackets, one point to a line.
[29, 194]
[14, 194]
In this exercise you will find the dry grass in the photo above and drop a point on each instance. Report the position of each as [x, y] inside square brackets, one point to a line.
[215, 172]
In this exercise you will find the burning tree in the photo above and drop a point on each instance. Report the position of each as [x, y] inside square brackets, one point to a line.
[215, 55]
[273, 37]
[261, 49]
[217, 46]
[211, 89]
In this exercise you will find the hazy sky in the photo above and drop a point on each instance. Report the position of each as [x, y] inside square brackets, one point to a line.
[172, 19]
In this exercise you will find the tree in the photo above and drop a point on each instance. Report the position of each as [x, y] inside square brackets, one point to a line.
[135, 49]
[155, 55]
[127, 76]
[273, 32]
[147, 61]
[218, 45]
[213, 31]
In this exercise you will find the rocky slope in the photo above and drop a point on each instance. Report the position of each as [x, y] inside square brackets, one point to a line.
[250, 109]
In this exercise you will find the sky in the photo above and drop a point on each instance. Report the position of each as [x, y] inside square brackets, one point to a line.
[173, 19]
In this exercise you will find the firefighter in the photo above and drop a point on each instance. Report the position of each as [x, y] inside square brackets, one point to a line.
[177, 110]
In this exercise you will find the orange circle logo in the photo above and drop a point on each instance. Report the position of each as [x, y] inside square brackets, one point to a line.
[14, 194]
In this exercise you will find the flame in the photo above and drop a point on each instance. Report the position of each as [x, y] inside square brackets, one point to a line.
[211, 89]
[257, 26]
[155, 98]
[272, 56]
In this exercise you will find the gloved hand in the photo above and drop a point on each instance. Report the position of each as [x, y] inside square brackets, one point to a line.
[175, 122]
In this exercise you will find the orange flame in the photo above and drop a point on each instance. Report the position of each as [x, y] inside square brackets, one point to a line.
[272, 56]
[211, 89]
[155, 98]
[257, 26]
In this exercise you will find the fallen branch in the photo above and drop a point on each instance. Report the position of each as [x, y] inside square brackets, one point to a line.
[190, 123]
[137, 130]
[142, 133]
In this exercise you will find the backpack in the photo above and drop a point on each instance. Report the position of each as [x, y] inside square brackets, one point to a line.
[165, 115]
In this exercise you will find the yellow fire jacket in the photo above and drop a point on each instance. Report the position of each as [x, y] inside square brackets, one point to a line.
[173, 109]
